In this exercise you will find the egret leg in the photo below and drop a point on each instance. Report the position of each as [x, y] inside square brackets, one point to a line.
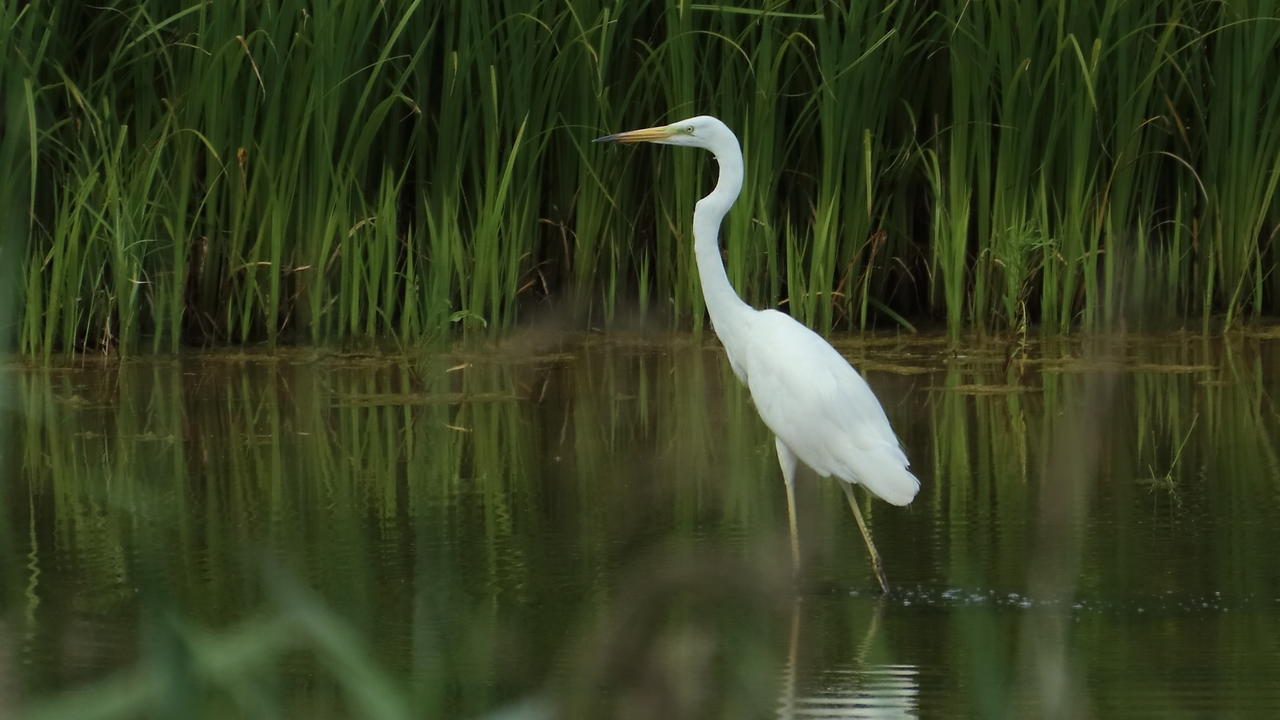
[876, 565]
[787, 460]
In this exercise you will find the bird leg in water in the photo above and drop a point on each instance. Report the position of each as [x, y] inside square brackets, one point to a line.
[787, 460]
[876, 565]
[795, 537]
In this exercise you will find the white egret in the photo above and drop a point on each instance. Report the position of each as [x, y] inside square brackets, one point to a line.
[819, 408]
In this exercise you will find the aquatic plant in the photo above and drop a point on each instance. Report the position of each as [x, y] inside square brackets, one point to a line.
[328, 172]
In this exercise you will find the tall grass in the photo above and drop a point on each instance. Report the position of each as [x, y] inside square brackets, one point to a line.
[229, 172]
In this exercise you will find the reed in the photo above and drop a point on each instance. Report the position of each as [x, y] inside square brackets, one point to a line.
[333, 172]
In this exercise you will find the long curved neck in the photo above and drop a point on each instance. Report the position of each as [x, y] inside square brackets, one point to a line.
[727, 310]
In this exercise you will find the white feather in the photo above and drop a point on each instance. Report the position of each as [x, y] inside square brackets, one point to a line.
[818, 406]
[823, 410]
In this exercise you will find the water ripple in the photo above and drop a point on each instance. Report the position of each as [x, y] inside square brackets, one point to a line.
[1169, 601]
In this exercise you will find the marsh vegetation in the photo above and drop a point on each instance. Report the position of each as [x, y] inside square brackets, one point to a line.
[222, 172]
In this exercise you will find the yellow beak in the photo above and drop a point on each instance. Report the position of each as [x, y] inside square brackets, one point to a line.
[652, 134]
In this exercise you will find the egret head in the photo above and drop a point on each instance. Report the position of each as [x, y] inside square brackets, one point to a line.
[702, 131]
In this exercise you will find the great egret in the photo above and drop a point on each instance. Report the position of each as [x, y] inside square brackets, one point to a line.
[819, 408]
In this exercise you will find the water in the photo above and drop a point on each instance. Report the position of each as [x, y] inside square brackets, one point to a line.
[597, 528]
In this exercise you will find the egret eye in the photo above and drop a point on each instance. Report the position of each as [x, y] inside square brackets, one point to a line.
[689, 129]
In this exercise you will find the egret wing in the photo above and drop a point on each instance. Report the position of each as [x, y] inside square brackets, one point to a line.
[812, 399]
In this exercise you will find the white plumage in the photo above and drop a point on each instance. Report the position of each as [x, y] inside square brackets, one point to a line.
[822, 409]
[819, 408]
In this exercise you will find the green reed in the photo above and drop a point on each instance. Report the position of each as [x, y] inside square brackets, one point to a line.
[1242, 169]
[284, 171]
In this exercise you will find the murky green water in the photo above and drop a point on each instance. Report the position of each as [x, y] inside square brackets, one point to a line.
[599, 528]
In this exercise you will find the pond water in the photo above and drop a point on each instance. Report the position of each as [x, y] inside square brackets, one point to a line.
[596, 527]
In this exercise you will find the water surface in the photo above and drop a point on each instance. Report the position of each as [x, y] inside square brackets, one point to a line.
[597, 527]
